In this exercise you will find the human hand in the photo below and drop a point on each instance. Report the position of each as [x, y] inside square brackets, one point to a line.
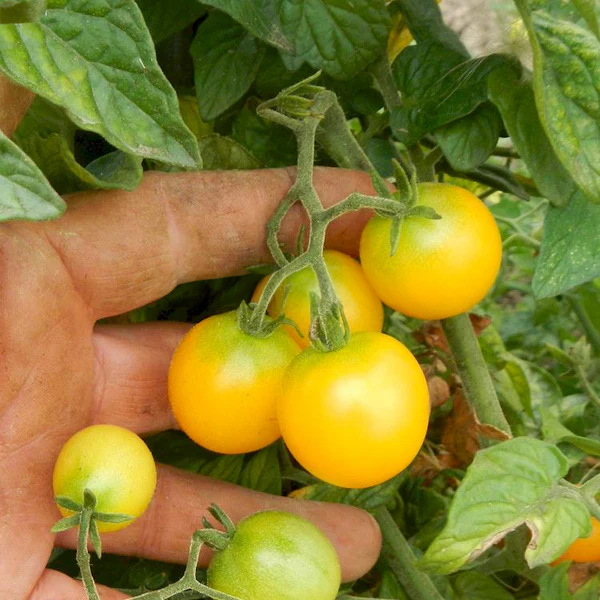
[110, 253]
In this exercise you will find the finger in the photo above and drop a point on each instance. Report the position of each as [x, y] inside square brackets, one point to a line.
[125, 249]
[14, 102]
[132, 364]
[181, 500]
[54, 585]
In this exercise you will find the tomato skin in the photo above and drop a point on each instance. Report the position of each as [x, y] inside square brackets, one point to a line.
[362, 307]
[223, 384]
[112, 462]
[357, 416]
[276, 555]
[584, 549]
[442, 267]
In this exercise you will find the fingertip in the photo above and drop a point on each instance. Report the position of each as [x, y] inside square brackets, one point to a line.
[354, 533]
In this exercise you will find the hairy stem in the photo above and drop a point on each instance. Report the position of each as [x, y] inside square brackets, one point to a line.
[475, 376]
[402, 561]
[591, 333]
[83, 555]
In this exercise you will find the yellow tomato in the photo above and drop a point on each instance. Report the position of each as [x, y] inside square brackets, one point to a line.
[584, 549]
[362, 307]
[223, 384]
[442, 267]
[357, 416]
[113, 463]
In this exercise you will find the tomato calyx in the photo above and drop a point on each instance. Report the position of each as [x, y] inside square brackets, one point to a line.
[212, 537]
[329, 328]
[266, 327]
[89, 505]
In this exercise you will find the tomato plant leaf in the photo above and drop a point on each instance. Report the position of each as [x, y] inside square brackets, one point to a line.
[259, 18]
[476, 586]
[164, 19]
[226, 60]
[367, 498]
[48, 137]
[175, 448]
[570, 253]
[514, 97]
[513, 483]
[341, 37]
[25, 193]
[97, 60]
[567, 86]
[271, 144]
[262, 471]
[438, 86]
[425, 22]
[468, 142]
[555, 432]
[220, 152]
[555, 583]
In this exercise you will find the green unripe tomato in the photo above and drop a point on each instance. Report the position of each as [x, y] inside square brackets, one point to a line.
[276, 555]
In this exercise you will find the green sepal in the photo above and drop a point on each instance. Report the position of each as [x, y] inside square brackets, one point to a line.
[66, 523]
[217, 540]
[395, 235]
[329, 329]
[423, 211]
[95, 537]
[67, 503]
[89, 499]
[222, 517]
[269, 325]
[404, 187]
[304, 86]
[112, 517]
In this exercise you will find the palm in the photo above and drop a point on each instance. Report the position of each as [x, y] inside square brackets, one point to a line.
[111, 253]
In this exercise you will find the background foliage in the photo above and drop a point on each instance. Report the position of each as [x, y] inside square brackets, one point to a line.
[125, 86]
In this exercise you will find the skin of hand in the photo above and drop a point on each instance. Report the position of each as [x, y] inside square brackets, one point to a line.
[60, 371]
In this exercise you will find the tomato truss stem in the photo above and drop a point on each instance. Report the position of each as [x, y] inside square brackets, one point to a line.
[329, 330]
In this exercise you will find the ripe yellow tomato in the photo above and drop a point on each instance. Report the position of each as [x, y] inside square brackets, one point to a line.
[584, 549]
[223, 384]
[442, 267]
[362, 307]
[357, 416]
[113, 463]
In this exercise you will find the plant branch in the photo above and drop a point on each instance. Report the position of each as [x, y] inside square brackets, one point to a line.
[83, 555]
[402, 561]
[591, 333]
[475, 376]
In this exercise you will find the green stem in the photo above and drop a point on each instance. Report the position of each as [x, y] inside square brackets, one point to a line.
[83, 555]
[402, 561]
[384, 80]
[587, 386]
[278, 277]
[475, 376]
[357, 201]
[592, 334]
[340, 143]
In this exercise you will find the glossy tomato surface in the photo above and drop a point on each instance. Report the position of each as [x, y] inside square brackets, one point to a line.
[362, 307]
[357, 416]
[279, 556]
[113, 463]
[223, 384]
[442, 267]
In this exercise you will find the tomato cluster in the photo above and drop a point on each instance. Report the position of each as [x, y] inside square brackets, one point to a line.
[355, 416]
